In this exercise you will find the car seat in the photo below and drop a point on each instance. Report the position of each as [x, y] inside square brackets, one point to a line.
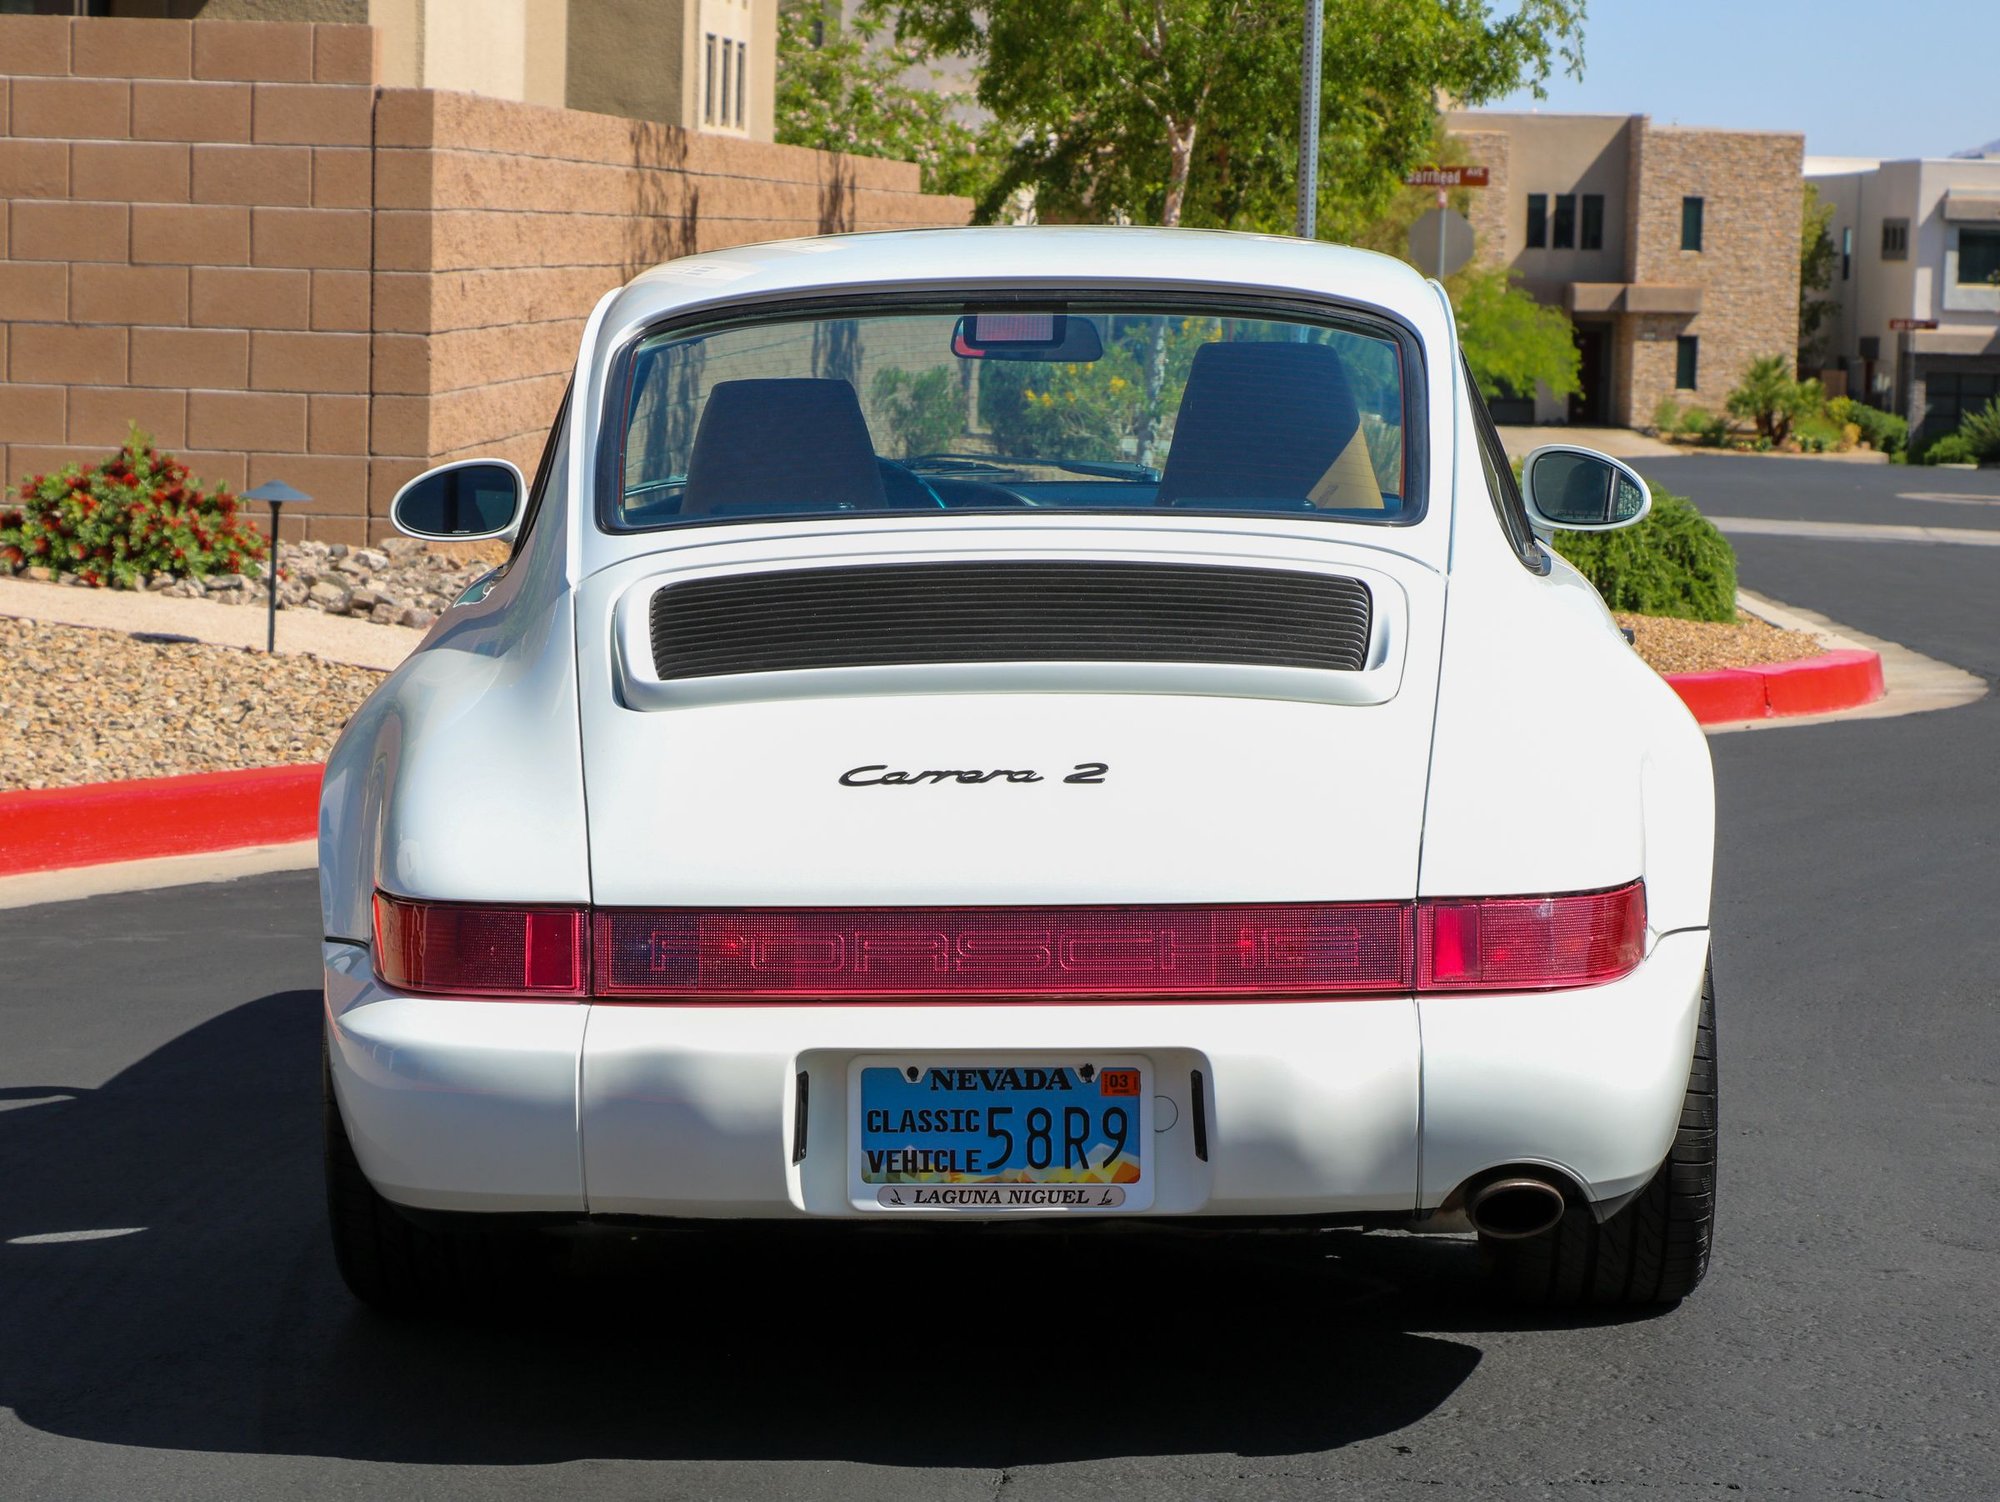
[773, 446]
[1269, 424]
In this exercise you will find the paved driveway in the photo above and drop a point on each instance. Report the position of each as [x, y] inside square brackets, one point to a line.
[158, 1076]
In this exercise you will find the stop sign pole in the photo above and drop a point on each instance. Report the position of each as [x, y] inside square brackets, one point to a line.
[1443, 178]
[1309, 71]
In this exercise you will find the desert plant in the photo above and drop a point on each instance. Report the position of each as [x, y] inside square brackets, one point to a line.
[1772, 398]
[1667, 416]
[136, 513]
[1711, 429]
[1981, 432]
[925, 409]
[1673, 563]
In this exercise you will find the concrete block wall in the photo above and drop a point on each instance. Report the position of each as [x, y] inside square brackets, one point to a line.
[1747, 268]
[230, 233]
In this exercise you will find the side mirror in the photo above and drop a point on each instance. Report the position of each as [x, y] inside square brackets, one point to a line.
[467, 500]
[1581, 490]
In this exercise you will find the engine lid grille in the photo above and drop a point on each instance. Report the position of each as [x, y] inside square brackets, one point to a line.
[1008, 610]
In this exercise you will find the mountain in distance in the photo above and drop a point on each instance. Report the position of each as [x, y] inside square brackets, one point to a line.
[1990, 150]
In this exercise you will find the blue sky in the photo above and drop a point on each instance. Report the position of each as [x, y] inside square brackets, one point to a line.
[1888, 78]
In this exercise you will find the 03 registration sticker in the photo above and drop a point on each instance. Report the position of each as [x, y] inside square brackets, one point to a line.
[1006, 1133]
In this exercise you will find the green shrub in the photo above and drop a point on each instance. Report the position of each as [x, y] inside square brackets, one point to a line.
[925, 410]
[1949, 448]
[1712, 429]
[1885, 432]
[1667, 416]
[136, 513]
[1673, 563]
[1816, 434]
[1981, 432]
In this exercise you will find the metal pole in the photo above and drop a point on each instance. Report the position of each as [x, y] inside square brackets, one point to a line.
[1308, 219]
[1443, 202]
[271, 632]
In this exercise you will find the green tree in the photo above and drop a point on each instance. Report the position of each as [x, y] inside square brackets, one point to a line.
[1185, 111]
[1816, 258]
[845, 88]
[1510, 340]
[1772, 397]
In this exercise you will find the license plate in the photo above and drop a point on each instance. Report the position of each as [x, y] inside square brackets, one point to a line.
[942, 1133]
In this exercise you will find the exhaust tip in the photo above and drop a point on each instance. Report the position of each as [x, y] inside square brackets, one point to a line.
[1513, 1209]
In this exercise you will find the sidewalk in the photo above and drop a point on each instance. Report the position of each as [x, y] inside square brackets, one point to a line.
[332, 638]
[1619, 443]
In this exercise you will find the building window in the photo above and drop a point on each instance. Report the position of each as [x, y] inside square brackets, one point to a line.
[1691, 224]
[1687, 357]
[1565, 235]
[728, 58]
[1593, 222]
[708, 84]
[1846, 253]
[742, 79]
[1978, 256]
[1538, 220]
[1895, 239]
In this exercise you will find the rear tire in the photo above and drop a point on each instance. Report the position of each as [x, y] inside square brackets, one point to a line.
[395, 1264]
[1655, 1250]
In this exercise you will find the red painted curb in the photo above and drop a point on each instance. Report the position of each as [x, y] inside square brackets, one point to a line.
[47, 829]
[1812, 685]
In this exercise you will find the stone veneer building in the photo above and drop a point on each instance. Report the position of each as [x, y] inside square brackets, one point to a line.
[1675, 251]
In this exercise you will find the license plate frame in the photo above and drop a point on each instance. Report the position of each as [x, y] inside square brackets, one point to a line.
[872, 1194]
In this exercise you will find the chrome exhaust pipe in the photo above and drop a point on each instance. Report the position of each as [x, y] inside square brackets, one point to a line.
[1515, 1208]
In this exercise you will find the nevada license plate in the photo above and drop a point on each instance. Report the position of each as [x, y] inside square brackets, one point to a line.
[1001, 1134]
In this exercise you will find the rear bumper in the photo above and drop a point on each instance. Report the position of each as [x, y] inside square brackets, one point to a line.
[1310, 1109]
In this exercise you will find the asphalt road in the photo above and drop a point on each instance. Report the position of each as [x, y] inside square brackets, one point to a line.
[158, 1076]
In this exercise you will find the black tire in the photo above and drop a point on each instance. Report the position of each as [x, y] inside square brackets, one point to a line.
[1655, 1250]
[398, 1265]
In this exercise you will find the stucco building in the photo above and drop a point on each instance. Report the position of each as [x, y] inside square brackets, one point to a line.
[707, 65]
[1674, 250]
[1918, 242]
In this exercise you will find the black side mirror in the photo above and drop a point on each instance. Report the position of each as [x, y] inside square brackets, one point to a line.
[465, 501]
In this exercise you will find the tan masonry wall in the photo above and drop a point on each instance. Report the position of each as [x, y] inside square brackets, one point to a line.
[229, 233]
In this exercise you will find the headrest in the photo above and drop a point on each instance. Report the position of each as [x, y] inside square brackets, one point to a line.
[1274, 422]
[782, 444]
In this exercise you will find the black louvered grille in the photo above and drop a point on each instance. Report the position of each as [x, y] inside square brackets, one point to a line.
[1008, 611]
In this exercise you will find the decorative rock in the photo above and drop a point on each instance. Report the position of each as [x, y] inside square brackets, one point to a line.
[423, 620]
[362, 600]
[336, 550]
[369, 558]
[217, 584]
[38, 572]
[332, 598]
[384, 614]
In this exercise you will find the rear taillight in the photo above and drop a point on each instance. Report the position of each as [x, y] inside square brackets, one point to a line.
[1237, 952]
[459, 949]
[1002, 953]
[1530, 943]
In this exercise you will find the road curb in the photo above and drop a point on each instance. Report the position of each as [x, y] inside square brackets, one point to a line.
[53, 829]
[1842, 679]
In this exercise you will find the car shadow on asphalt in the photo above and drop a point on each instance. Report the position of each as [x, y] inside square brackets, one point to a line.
[215, 1320]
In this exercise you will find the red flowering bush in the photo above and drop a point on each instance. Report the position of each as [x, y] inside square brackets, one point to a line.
[136, 513]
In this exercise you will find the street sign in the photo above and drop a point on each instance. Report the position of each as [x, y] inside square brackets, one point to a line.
[1445, 177]
[1441, 242]
[1905, 325]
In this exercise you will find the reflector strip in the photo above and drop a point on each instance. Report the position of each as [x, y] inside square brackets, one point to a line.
[1004, 953]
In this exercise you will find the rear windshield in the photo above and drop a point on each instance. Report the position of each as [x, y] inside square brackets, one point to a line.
[1104, 408]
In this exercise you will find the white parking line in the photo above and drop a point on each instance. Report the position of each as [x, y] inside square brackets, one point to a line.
[1758, 526]
[1949, 497]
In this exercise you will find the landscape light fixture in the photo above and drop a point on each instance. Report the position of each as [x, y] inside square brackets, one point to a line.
[278, 493]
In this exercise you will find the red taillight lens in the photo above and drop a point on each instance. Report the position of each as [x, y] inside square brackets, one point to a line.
[457, 949]
[1004, 953]
[1531, 943]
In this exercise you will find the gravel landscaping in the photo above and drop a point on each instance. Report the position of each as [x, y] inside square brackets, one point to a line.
[78, 705]
[82, 706]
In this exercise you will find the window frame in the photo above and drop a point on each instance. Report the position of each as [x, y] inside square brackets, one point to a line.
[708, 84]
[1590, 222]
[1562, 228]
[1508, 506]
[614, 414]
[1694, 222]
[1538, 221]
[1895, 239]
[742, 76]
[544, 474]
[1981, 233]
[1687, 356]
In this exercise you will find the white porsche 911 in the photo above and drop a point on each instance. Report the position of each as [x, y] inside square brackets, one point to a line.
[1023, 725]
